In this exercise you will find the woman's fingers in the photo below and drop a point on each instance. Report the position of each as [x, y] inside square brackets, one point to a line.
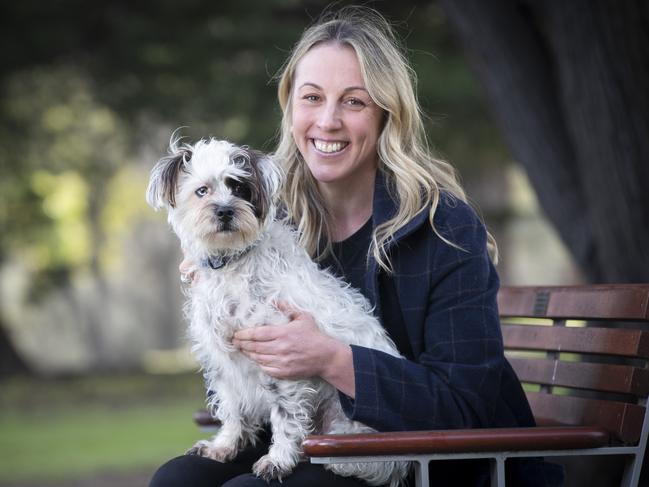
[187, 270]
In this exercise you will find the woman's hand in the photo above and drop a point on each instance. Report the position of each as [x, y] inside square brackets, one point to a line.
[298, 350]
[187, 270]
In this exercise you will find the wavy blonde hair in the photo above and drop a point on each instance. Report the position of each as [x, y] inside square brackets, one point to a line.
[415, 178]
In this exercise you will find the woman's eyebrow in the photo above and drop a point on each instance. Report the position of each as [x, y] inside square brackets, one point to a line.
[309, 84]
[318, 87]
[354, 88]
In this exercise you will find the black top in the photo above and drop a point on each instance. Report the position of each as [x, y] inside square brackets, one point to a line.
[349, 259]
[349, 262]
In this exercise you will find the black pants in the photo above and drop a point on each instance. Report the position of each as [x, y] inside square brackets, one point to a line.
[195, 471]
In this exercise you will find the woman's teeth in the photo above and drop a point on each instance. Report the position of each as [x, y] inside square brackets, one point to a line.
[329, 147]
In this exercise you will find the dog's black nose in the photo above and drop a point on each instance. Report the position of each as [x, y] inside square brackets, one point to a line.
[224, 213]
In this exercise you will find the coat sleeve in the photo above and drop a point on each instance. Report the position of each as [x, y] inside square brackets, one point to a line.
[454, 381]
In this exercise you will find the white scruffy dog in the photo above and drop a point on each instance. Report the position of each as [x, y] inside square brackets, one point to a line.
[221, 201]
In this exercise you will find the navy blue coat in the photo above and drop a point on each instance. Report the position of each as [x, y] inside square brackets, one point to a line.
[459, 377]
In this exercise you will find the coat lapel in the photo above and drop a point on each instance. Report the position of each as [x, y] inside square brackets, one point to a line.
[384, 208]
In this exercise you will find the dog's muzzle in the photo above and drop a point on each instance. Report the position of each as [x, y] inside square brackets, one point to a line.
[225, 214]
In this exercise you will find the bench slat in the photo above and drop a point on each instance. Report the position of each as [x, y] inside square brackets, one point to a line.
[623, 379]
[455, 441]
[608, 341]
[622, 420]
[606, 302]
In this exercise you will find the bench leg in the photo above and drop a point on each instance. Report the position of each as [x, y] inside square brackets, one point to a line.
[631, 475]
[421, 474]
[497, 467]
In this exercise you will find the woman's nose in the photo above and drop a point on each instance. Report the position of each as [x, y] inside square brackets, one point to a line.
[329, 117]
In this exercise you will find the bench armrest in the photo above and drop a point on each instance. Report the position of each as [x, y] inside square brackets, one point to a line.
[456, 441]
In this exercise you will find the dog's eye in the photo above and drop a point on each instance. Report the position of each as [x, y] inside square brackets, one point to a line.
[202, 191]
[239, 189]
[239, 160]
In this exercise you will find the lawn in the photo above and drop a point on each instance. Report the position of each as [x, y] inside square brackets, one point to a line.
[62, 429]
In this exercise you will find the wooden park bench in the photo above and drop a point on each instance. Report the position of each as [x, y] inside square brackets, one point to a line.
[582, 353]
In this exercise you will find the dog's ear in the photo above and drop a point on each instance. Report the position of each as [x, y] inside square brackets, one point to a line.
[271, 174]
[270, 178]
[164, 177]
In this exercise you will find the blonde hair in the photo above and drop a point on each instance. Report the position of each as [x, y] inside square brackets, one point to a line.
[414, 177]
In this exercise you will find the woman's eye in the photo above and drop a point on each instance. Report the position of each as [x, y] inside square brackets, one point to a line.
[355, 102]
[312, 98]
[202, 191]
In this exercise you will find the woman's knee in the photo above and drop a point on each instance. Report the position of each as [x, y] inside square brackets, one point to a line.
[171, 473]
[195, 471]
[247, 480]
[304, 474]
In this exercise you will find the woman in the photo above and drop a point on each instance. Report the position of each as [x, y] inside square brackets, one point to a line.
[373, 205]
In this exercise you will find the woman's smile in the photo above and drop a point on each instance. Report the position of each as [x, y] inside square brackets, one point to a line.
[329, 147]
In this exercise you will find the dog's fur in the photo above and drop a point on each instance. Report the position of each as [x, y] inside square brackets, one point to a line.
[221, 201]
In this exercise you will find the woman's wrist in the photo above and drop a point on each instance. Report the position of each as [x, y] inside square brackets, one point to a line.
[338, 369]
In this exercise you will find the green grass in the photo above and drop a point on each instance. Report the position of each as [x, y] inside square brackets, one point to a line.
[90, 425]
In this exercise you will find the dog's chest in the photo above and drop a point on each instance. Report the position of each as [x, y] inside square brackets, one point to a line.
[224, 302]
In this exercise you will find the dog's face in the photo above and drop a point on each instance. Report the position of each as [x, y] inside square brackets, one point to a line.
[219, 196]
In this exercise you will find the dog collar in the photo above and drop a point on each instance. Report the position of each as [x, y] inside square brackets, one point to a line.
[218, 261]
[215, 261]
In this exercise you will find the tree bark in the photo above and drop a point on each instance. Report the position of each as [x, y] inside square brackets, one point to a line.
[601, 50]
[567, 82]
[11, 363]
[568, 85]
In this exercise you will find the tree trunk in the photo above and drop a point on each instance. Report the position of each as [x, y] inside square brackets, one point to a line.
[94, 316]
[11, 363]
[601, 50]
[567, 84]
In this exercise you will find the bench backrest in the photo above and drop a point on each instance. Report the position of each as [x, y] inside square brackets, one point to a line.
[582, 353]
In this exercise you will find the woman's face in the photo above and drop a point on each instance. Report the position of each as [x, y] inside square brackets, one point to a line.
[336, 125]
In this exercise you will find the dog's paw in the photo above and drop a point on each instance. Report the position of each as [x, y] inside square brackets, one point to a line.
[269, 469]
[206, 449]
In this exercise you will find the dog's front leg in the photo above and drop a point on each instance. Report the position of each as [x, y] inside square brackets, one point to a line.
[225, 445]
[289, 427]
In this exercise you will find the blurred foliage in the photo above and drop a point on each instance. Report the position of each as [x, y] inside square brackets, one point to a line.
[85, 87]
[54, 181]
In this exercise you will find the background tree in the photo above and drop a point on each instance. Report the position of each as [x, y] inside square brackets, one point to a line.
[568, 83]
[87, 93]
